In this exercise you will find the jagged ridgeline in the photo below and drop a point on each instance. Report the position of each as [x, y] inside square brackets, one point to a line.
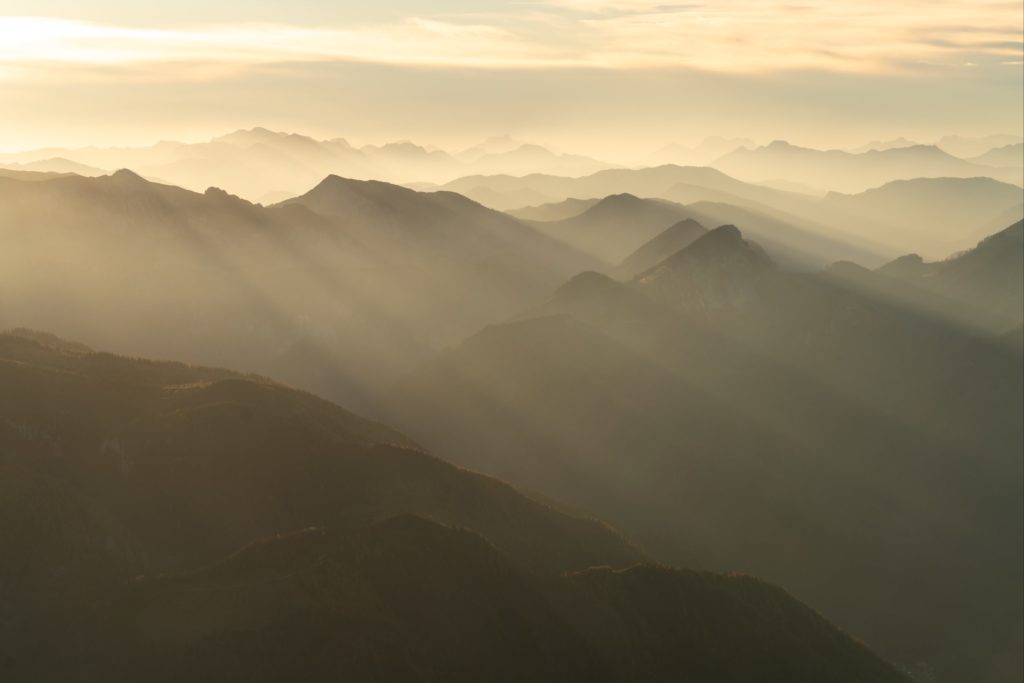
[167, 522]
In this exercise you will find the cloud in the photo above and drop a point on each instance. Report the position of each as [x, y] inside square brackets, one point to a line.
[733, 36]
[36, 40]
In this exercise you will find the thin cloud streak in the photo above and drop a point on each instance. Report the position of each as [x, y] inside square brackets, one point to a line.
[733, 36]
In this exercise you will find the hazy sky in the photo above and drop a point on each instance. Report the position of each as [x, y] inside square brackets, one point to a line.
[605, 76]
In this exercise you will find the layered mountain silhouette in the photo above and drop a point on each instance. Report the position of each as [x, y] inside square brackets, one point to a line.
[729, 414]
[643, 182]
[880, 145]
[553, 211]
[612, 228]
[820, 390]
[615, 226]
[258, 162]
[798, 227]
[56, 166]
[130, 484]
[966, 147]
[667, 243]
[987, 281]
[705, 152]
[1005, 156]
[854, 172]
[941, 212]
[341, 289]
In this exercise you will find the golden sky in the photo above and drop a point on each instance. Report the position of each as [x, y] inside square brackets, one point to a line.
[572, 71]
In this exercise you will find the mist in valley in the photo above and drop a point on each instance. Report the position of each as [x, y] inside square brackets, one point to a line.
[689, 401]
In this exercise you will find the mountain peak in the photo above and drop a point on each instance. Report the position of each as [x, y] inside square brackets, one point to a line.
[585, 283]
[126, 176]
[719, 270]
[722, 237]
[621, 199]
[724, 243]
[670, 241]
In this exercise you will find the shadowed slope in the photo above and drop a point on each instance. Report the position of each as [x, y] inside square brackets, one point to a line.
[341, 295]
[614, 227]
[988, 279]
[193, 462]
[407, 600]
[730, 414]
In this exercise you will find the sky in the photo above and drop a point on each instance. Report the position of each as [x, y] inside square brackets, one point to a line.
[609, 77]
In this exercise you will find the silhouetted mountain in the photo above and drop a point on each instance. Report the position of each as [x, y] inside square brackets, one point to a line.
[610, 228]
[790, 186]
[554, 211]
[796, 241]
[194, 462]
[28, 175]
[938, 212]
[847, 172]
[342, 301]
[988, 279]
[531, 158]
[708, 150]
[128, 484]
[644, 182]
[56, 166]
[256, 162]
[407, 600]
[880, 145]
[496, 144]
[1008, 155]
[796, 227]
[658, 249]
[966, 147]
[615, 226]
[718, 270]
[731, 415]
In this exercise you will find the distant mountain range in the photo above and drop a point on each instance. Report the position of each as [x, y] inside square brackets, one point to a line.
[957, 145]
[880, 145]
[1006, 156]
[947, 214]
[708, 150]
[934, 216]
[260, 163]
[165, 522]
[267, 166]
[966, 147]
[855, 172]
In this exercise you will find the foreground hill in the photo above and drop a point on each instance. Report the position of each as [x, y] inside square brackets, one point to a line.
[191, 463]
[128, 484]
[340, 290]
[731, 415]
